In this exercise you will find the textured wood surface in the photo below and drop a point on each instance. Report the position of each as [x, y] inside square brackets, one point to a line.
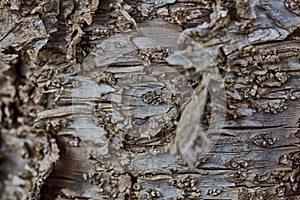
[149, 99]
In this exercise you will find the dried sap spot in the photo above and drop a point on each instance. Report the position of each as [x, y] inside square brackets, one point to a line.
[214, 192]
[264, 140]
[237, 177]
[189, 187]
[154, 54]
[153, 193]
[271, 106]
[245, 195]
[262, 194]
[237, 164]
[74, 142]
[106, 121]
[268, 177]
[104, 77]
[120, 20]
[291, 159]
[293, 6]
[156, 98]
[187, 16]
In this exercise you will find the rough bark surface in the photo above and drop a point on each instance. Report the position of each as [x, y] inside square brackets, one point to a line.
[153, 99]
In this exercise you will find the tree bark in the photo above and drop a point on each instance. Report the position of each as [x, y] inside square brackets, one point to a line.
[149, 99]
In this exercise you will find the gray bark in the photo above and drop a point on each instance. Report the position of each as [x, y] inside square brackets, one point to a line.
[149, 99]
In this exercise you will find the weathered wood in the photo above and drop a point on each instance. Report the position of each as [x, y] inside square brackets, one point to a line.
[149, 99]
